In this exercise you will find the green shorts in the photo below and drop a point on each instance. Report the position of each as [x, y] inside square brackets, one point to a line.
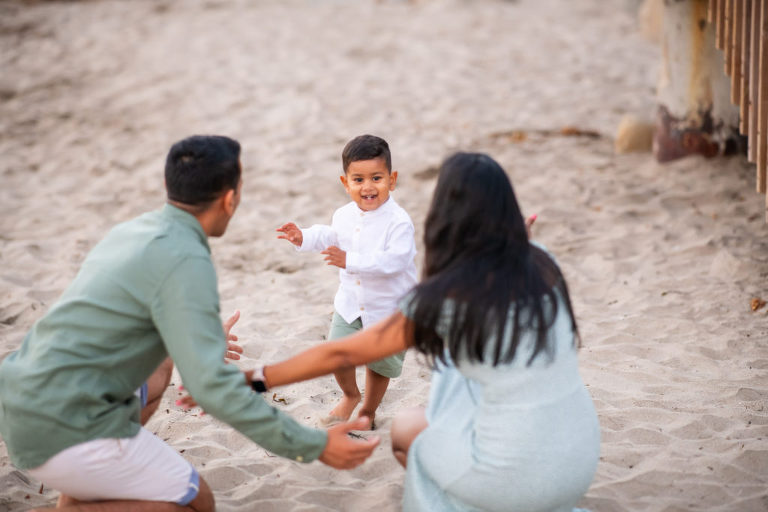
[391, 366]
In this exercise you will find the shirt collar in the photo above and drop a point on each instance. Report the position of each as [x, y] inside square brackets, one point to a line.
[187, 219]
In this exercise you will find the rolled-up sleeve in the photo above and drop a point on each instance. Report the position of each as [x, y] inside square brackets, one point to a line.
[318, 238]
[185, 310]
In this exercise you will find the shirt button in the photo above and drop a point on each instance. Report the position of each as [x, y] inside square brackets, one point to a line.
[358, 283]
[299, 459]
[362, 308]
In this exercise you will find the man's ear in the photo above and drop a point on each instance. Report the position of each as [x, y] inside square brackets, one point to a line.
[229, 204]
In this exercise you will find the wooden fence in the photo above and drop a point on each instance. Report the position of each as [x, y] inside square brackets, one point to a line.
[741, 32]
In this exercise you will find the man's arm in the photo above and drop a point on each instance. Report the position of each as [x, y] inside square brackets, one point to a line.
[341, 451]
[186, 312]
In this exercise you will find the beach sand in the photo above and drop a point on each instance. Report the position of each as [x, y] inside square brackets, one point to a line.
[662, 260]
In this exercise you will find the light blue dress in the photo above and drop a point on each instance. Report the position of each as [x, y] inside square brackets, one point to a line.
[506, 438]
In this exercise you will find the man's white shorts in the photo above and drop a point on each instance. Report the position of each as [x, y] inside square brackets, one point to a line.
[134, 468]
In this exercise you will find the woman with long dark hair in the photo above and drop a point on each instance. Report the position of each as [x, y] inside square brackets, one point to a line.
[509, 425]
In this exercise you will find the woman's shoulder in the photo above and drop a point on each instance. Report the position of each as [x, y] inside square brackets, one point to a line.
[543, 248]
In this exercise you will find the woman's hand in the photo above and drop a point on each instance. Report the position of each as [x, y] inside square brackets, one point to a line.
[529, 223]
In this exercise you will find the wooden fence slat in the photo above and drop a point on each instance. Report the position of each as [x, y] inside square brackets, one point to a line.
[762, 144]
[746, 43]
[712, 11]
[754, 80]
[736, 24]
[727, 29]
[720, 25]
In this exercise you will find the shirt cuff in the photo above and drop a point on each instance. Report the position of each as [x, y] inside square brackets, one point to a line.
[304, 245]
[303, 444]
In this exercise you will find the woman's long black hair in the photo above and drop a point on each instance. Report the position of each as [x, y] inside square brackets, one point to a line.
[477, 255]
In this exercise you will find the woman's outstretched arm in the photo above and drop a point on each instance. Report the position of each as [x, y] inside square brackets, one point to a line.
[382, 339]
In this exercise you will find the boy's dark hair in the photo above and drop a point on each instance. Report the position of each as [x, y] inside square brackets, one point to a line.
[366, 147]
[202, 167]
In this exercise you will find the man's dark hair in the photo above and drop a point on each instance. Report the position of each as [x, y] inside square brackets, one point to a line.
[202, 167]
[366, 147]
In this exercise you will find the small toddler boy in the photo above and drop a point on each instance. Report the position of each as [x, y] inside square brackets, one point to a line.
[371, 240]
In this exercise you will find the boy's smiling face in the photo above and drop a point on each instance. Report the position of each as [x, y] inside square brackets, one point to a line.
[368, 183]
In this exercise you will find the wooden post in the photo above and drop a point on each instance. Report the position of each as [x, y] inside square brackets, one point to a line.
[735, 72]
[712, 11]
[754, 79]
[695, 114]
[762, 126]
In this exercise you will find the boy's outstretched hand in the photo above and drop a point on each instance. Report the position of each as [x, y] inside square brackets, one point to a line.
[343, 452]
[292, 233]
[335, 256]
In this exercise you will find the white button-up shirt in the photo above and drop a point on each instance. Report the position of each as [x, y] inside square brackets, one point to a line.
[380, 258]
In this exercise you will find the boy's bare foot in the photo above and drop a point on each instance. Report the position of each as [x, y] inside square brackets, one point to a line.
[343, 411]
[371, 415]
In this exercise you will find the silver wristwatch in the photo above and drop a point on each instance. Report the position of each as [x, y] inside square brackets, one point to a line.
[257, 381]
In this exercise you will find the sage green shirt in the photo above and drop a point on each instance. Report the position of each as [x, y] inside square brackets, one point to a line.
[148, 290]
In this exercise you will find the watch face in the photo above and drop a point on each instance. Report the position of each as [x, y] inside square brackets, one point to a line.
[258, 385]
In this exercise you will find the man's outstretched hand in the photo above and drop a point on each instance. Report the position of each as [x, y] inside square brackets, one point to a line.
[233, 349]
[344, 452]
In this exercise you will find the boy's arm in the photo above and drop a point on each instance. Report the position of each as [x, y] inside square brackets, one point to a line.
[398, 255]
[318, 238]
